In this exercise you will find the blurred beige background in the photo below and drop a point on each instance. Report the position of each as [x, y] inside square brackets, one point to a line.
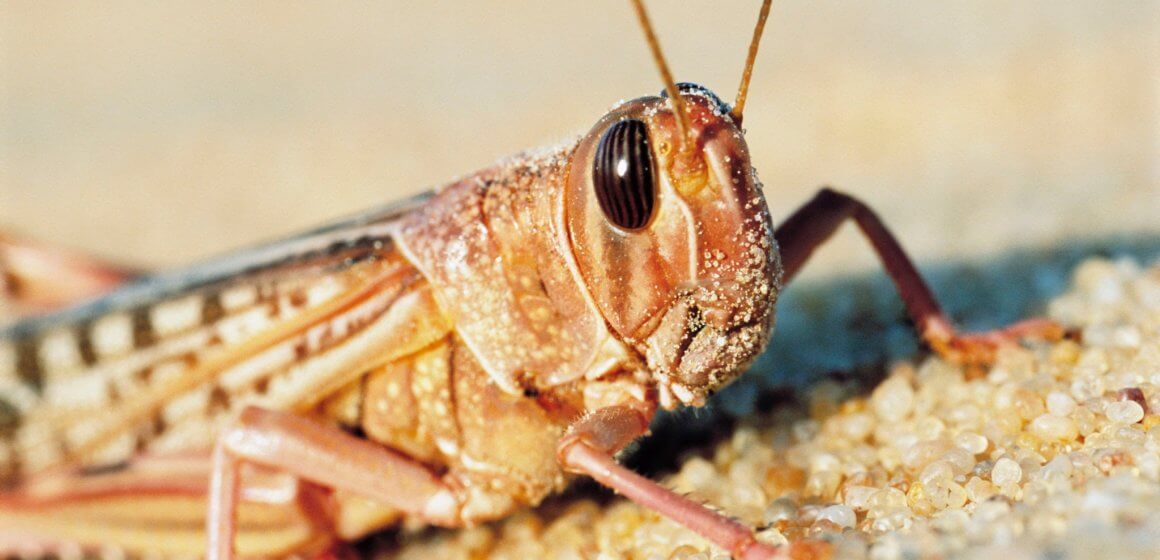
[162, 133]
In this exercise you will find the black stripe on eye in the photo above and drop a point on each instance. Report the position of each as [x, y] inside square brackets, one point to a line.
[622, 175]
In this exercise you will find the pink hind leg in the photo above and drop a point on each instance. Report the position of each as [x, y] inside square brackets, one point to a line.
[37, 278]
[812, 224]
[588, 449]
[323, 455]
[155, 505]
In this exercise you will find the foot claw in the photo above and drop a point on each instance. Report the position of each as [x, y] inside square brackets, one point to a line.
[979, 349]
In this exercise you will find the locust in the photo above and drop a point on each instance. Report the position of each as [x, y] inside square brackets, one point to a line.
[443, 361]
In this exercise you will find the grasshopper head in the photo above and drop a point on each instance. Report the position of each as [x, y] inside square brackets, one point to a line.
[674, 241]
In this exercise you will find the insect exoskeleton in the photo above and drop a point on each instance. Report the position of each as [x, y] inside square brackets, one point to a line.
[446, 360]
[674, 240]
[645, 247]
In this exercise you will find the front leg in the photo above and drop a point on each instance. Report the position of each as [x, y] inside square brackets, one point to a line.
[817, 220]
[588, 449]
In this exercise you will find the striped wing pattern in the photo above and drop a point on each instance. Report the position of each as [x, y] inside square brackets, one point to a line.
[160, 365]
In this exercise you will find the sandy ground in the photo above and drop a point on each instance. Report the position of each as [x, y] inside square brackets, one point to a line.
[157, 134]
[1040, 456]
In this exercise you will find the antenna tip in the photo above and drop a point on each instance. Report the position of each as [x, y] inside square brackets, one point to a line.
[743, 89]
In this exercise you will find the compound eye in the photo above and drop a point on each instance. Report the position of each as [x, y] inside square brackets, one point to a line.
[622, 174]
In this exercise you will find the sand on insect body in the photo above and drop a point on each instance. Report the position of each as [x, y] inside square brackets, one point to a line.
[1055, 450]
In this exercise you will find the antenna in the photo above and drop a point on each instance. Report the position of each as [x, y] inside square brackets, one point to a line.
[743, 89]
[670, 86]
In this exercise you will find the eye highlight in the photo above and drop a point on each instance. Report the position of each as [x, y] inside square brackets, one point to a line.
[622, 175]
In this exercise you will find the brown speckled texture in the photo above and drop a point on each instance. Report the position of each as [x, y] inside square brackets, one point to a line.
[1046, 452]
